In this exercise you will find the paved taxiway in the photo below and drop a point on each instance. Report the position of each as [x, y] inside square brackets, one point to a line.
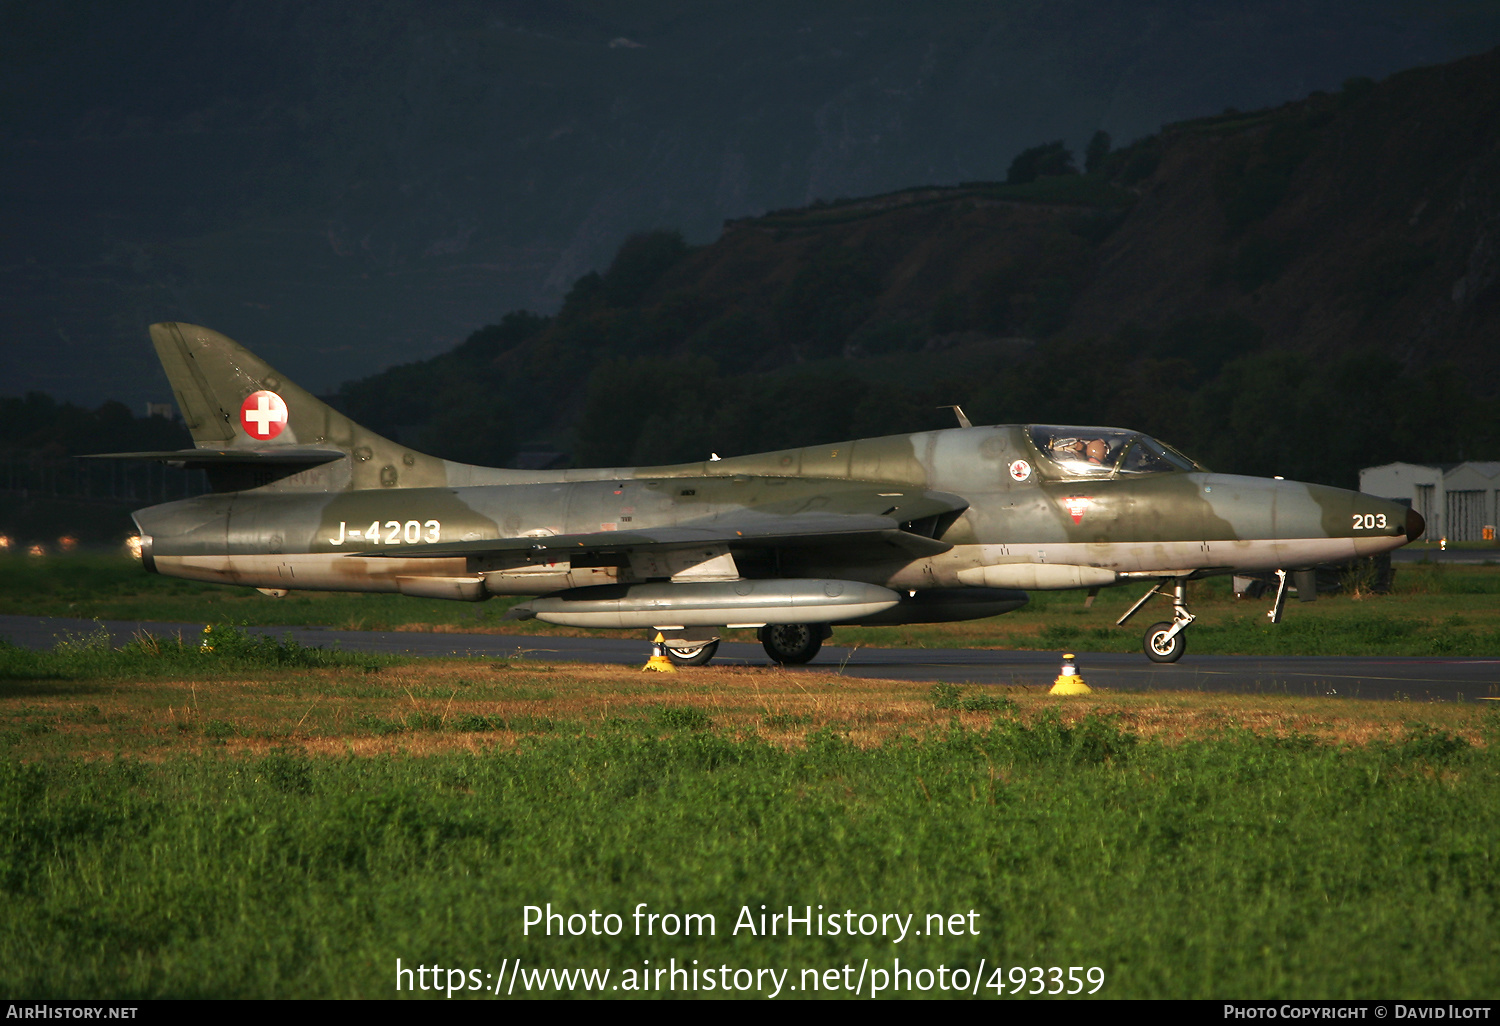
[1415, 679]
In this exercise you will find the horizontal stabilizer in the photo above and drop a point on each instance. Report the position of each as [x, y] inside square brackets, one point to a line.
[221, 457]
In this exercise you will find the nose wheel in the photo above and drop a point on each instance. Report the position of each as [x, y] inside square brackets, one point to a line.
[1165, 642]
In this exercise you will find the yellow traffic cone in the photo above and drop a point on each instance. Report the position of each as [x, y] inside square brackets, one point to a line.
[1068, 682]
[659, 661]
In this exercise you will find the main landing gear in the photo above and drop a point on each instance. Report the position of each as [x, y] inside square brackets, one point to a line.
[793, 644]
[790, 644]
[1166, 641]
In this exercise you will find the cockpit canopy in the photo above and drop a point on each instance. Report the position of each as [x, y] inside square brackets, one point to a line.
[1106, 452]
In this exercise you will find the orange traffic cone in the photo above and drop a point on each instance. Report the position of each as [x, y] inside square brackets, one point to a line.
[1068, 682]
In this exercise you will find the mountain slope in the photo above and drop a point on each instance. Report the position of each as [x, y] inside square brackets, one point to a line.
[351, 186]
[1302, 290]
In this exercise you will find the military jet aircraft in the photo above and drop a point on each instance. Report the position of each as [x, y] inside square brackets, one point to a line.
[929, 527]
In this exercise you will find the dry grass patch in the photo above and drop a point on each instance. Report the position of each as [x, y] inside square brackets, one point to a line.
[436, 706]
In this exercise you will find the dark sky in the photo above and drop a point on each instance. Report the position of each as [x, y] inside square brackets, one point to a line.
[343, 187]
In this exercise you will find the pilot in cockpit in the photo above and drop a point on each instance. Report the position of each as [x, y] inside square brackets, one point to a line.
[1067, 449]
[1081, 453]
[1105, 452]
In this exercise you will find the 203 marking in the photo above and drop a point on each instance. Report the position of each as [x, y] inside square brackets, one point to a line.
[1370, 522]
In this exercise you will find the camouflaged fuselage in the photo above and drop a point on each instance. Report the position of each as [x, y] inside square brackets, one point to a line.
[328, 527]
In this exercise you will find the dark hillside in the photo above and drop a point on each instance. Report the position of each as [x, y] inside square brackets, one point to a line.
[1300, 291]
[1362, 222]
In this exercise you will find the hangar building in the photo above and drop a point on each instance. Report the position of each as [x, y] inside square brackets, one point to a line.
[1456, 499]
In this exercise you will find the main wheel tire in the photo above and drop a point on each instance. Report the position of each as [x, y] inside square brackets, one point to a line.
[1160, 649]
[695, 656]
[791, 643]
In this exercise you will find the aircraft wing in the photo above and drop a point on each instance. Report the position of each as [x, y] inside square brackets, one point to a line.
[742, 527]
[220, 457]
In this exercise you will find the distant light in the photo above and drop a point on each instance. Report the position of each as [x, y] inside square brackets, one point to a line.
[4, 543]
[36, 550]
[133, 546]
[1278, 477]
[67, 543]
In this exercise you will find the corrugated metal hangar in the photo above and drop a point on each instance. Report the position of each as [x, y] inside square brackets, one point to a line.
[1456, 499]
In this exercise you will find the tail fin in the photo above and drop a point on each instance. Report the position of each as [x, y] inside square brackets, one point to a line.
[233, 400]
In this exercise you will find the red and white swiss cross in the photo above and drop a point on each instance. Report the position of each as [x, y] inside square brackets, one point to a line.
[263, 415]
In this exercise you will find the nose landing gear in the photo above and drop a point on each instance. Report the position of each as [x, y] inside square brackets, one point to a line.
[1165, 642]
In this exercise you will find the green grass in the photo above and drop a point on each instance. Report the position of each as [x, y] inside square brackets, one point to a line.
[1253, 634]
[1233, 865]
[217, 650]
[110, 587]
[254, 822]
[951, 696]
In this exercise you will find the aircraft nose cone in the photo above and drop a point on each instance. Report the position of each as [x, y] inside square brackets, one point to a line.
[1415, 525]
